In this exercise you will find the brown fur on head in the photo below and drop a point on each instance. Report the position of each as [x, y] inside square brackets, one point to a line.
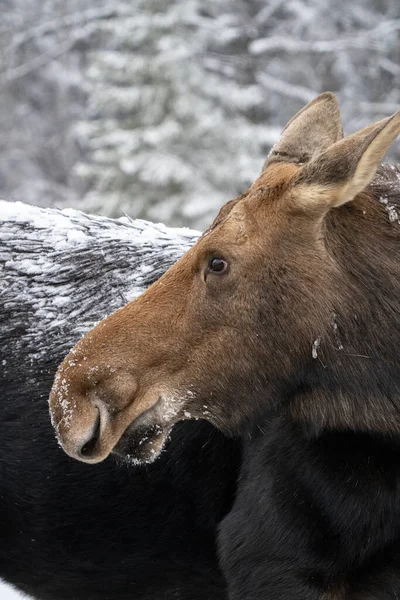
[286, 302]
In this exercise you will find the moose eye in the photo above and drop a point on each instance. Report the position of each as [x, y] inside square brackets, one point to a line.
[217, 265]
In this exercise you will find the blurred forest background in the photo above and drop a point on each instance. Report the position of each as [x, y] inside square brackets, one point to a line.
[165, 109]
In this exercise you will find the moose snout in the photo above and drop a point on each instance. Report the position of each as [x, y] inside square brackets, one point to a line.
[90, 409]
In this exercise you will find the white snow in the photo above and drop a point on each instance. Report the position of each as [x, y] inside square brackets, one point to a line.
[315, 346]
[390, 209]
[8, 593]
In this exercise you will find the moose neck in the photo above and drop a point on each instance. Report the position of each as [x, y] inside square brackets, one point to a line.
[353, 379]
[347, 376]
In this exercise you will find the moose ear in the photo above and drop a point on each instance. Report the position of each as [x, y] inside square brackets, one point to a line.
[346, 168]
[311, 131]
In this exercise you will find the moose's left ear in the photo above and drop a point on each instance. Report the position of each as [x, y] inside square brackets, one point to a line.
[346, 168]
[311, 131]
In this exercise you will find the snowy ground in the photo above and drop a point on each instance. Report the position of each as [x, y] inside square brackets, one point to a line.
[7, 593]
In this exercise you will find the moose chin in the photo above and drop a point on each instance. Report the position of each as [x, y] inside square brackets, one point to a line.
[280, 326]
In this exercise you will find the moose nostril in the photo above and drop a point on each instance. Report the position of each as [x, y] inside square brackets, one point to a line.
[88, 448]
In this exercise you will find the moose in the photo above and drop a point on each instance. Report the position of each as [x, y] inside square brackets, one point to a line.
[68, 530]
[280, 327]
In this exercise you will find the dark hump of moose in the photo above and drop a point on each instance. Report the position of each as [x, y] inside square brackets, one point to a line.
[280, 325]
[68, 530]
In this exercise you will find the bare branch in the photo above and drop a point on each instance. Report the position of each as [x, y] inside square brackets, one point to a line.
[286, 89]
[267, 11]
[36, 63]
[380, 107]
[373, 37]
[389, 65]
[75, 19]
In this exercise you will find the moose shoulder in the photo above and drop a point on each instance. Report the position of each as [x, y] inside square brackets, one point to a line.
[280, 325]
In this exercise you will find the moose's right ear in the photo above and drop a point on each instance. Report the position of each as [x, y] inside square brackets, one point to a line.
[346, 168]
[309, 133]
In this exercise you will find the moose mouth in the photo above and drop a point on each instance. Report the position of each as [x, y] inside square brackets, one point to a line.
[142, 444]
[145, 438]
[137, 441]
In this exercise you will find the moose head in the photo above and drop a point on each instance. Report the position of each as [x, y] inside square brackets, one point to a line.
[287, 302]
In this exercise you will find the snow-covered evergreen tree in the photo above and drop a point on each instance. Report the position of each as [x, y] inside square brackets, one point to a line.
[169, 135]
[43, 91]
[189, 95]
[304, 47]
[164, 109]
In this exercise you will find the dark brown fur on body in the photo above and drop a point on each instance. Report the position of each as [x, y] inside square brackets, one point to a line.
[280, 325]
[358, 344]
